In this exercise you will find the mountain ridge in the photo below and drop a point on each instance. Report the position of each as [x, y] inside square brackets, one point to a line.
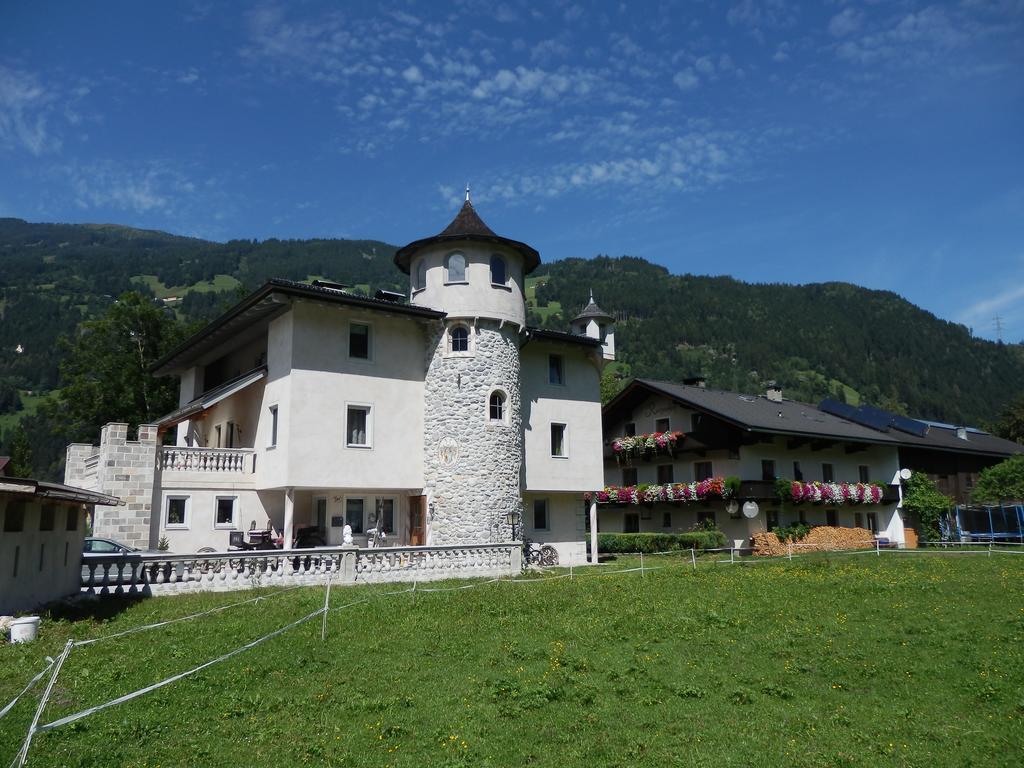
[832, 338]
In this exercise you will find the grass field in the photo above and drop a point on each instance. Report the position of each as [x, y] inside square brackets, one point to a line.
[219, 283]
[908, 660]
[29, 405]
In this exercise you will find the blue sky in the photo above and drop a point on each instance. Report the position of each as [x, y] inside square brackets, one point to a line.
[880, 143]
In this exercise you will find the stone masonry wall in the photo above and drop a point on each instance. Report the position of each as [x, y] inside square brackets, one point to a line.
[471, 465]
[127, 469]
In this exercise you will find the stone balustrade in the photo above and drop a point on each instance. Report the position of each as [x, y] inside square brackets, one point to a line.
[136, 574]
[185, 459]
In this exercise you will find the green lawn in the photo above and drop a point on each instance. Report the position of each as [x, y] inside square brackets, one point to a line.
[903, 660]
[29, 405]
[219, 283]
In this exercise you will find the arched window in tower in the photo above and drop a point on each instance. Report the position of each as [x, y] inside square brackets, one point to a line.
[496, 406]
[458, 339]
[456, 268]
[499, 272]
[419, 275]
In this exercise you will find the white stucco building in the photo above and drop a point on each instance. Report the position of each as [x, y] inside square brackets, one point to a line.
[439, 416]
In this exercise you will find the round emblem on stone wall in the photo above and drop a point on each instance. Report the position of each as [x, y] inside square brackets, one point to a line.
[448, 451]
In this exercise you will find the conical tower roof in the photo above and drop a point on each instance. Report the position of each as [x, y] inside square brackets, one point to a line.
[467, 226]
[593, 312]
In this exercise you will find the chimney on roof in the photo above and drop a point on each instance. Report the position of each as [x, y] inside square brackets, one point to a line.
[696, 381]
[961, 432]
[774, 392]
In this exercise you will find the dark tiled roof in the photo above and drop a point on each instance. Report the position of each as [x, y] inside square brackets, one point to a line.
[592, 310]
[260, 305]
[566, 338]
[759, 414]
[4, 461]
[942, 438]
[467, 222]
[467, 226]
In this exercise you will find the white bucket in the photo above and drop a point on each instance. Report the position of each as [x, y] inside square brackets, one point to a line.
[25, 629]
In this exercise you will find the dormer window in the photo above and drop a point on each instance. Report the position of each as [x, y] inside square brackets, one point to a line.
[499, 270]
[456, 268]
[419, 275]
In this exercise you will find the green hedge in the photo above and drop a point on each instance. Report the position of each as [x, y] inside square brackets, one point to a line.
[658, 542]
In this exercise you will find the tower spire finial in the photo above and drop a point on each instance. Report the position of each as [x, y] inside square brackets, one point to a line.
[467, 191]
[591, 295]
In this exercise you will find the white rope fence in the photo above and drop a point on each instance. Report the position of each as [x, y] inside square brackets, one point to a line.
[54, 667]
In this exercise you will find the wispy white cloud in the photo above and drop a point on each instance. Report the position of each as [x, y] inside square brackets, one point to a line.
[138, 188]
[1008, 304]
[26, 108]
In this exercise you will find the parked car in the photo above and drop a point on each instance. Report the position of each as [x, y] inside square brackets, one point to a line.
[96, 546]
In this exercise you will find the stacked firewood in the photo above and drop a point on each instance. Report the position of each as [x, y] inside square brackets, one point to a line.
[824, 538]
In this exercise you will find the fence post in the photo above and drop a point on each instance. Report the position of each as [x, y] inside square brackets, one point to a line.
[732, 555]
[990, 549]
[327, 604]
[789, 546]
[22, 756]
[878, 549]
[693, 557]
[641, 565]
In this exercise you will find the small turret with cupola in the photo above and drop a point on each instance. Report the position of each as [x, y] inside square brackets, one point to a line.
[594, 322]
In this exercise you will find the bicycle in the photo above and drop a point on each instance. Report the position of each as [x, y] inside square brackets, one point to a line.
[543, 555]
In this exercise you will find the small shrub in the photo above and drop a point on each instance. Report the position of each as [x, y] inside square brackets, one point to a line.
[795, 532]
[658, 542]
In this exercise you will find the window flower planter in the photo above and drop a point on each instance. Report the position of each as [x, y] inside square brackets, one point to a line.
[834, 493]
[712, 488]
[630, 447]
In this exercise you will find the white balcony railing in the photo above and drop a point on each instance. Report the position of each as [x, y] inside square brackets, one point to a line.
[223, 571]
[184, 459]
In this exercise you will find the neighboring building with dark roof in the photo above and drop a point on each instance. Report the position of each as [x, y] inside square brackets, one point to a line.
[762, 438]
[438, 416]
[43, 526]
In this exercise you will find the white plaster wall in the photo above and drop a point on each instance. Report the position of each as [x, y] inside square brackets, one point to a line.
[882, 461]
[324, 381]
[477, 297]
[48, 562]
[566, 530]
[272, 462]
[200, 530]
[242, 408]
[577, 404]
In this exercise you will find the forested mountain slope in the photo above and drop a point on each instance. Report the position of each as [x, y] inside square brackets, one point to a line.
[816, 340]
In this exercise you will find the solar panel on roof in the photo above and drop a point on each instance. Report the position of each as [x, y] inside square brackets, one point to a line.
[910, 426]
[875, 418]
[836, 408]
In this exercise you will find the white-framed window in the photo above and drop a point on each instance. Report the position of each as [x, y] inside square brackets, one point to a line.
[419, 275]
[556, 370]
[459, 339]
[559, 440]
[360, 341]
[355, 510]
[455, 268]
[177, 512]
[358, 425]
[541, 520]
[497, 407]
[224, 512]
[273, 427]
[499, 270]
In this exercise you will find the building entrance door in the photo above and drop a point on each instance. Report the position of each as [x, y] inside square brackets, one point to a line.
[417, 520]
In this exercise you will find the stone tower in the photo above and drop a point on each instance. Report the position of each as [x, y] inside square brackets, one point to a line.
[472, 426]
